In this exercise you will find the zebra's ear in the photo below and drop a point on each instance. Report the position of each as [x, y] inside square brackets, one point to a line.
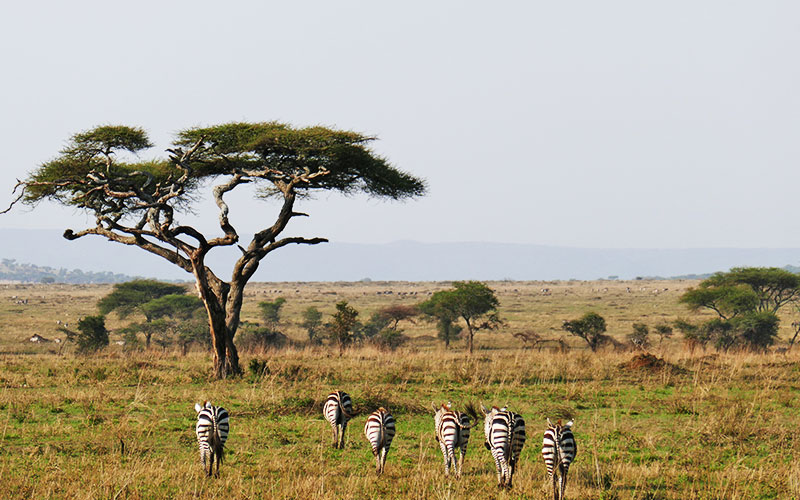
[197, 407]
[484, 410]
[549, 423]
[569, 424]
[435, 409]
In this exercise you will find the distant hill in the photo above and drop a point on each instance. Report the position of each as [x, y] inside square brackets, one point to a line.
[10, 270]
[399, 261]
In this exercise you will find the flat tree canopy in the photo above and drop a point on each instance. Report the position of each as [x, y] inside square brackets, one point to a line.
[139, 202]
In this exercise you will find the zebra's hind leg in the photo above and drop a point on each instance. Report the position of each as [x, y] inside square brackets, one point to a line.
[335, 428]
[344, 428]
[563, 482]
[554, 480]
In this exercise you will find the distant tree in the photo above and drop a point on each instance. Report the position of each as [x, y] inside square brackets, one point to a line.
[271, 312]
[173, 306]
[397, 313]
[132, 296]
[472, 301]
[91, 335]
[747, 301]
[639, 336]
[590, 327]
[664, 331]
[435, 309]
[142, 202]
[312, 322]
[343, 325]
[129, 297]
[376, 323]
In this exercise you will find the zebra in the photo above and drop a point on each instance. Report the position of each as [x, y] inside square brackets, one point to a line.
[212, 432]
[380, 431]
[338, 410]
[505, 437]
[452, 431]
[558, 450]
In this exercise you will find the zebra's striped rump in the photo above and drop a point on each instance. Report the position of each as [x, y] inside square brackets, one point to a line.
[380, 431]
[338, 410]
[558, 451]
[212, 431]
[452, 433]
[505, 437]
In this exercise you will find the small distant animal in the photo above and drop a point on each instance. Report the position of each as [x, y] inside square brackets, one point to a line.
[505, 437]
[452, 432]
[338, 410]
[212, 431]
[558, 450]
[380, 430]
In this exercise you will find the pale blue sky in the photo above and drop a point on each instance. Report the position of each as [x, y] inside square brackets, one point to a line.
[589, 124]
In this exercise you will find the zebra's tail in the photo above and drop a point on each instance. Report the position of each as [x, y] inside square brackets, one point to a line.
[472, 411]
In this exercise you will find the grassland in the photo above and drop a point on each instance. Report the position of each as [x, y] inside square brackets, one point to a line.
[118, 425]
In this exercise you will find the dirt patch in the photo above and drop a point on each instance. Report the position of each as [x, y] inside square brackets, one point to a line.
[649, 363]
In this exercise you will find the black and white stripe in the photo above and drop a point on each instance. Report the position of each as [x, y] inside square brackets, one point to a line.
[505, 437]
[212, 432]
[558, 450]
[338, 410]
[452, 432]
[380, 431]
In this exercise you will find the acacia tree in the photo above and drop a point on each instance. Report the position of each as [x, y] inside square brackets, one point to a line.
[134, 296]
[472, 301]
[139, 202]
[590, 327]
[747, 300]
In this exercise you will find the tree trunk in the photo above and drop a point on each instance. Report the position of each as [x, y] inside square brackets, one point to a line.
[147, 336]
[215, 296]
[471, 334]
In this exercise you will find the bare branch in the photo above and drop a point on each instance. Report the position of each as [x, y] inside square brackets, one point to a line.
[231, 236]
[136, 240]
[287, 241]
[19, 197]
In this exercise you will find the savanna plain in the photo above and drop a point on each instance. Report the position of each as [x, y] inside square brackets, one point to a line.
[702, 425]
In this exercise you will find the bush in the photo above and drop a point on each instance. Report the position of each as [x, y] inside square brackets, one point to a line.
[639, 336]
[91, 335]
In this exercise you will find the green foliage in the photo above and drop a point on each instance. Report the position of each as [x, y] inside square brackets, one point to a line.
[472, 301]
[590, 327]
[756, 330]
[376, 323]
[342, 326]
[347, 163]
[91, 335]
[108, 139]
[746, 300]
[130, 297]
[435, 309]
[175, 306]
[727, 301]
[312, 322]
[745, 289]
[271, 312]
